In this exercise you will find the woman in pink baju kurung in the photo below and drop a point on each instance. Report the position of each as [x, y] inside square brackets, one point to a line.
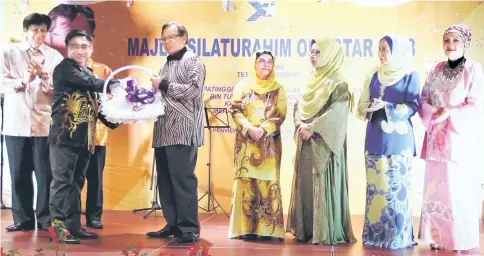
[450, 112]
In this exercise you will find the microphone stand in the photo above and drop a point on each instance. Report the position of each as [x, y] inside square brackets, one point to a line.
[155, 206]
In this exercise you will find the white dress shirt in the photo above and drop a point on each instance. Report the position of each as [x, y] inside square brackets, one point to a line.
[27, 113]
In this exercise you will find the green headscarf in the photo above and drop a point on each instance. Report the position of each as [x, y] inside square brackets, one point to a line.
[323, 79]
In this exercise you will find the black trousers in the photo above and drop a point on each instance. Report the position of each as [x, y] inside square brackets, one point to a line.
[94, 176]
[69, 165]
[177, 184]
[27, 155]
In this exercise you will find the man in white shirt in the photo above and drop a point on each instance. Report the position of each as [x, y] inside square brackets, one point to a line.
[27, 84]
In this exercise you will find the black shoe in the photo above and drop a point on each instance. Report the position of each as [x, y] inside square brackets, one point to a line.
[265, 238]
[72, 240]
[250, 237]
[82, 233]
[26, 226]
[162, 233]
[95, 224]
[188, 237]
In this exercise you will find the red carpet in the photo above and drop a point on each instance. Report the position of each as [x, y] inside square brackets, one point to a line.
[123, 229]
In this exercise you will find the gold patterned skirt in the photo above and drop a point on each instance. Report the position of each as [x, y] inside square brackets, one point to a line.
[256, 208]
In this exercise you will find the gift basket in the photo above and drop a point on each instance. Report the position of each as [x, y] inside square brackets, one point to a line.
[133, 104]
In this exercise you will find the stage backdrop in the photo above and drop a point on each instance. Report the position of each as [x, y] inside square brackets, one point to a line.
[225, 40]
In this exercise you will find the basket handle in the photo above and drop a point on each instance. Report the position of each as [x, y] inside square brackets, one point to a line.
[103, 97]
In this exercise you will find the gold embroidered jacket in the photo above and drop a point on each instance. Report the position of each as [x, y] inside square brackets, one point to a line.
[75, 107]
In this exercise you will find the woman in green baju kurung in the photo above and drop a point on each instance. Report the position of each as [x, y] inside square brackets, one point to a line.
[319, 210]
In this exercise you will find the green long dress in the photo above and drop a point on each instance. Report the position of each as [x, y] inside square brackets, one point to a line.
[319, 210]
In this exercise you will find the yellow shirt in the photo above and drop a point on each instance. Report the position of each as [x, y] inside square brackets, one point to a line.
[101, 71]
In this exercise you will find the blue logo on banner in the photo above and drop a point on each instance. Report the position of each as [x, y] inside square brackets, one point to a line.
[261, 10]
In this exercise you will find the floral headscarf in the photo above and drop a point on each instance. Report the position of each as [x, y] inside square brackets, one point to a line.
[463, 31]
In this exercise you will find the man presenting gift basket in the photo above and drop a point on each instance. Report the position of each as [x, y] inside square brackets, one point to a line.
[178, 134]
[72, 131]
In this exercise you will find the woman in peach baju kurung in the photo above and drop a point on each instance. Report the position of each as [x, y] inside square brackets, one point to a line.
[450, 113]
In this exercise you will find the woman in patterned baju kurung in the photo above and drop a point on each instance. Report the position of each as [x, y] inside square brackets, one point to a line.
[259, 106]
[450, 111]
[388, 101]
[319, 207]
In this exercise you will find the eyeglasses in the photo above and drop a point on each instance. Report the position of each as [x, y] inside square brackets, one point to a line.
[314, 52]
[76, 47]
[164, 39]
[37, 30]
[263, 62]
